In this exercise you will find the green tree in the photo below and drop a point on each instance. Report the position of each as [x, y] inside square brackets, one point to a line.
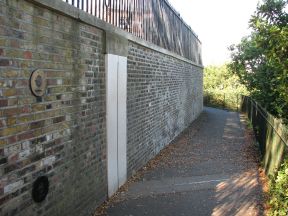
[220, 80]
[261, 59]
[221, 87]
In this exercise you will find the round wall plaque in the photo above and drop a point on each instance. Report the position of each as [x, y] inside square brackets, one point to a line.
[40, 189]
[38, 83]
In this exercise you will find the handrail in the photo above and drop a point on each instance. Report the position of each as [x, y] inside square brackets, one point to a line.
[261, 112]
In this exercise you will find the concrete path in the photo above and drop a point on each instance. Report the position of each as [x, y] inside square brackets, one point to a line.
[210, 169]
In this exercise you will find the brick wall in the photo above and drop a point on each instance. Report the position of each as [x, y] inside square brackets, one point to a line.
[62, 134]
[164, 95]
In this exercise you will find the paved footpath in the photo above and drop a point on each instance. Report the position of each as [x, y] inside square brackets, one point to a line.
[210, 169]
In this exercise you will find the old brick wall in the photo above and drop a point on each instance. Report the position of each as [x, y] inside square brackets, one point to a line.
[62, 134]
[164, 95]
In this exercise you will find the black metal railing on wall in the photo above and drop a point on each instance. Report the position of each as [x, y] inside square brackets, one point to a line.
[153, 20]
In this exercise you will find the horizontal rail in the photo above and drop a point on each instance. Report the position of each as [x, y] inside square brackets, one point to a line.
[256, 105]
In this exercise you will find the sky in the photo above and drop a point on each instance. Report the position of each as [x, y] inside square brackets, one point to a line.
[218, 24]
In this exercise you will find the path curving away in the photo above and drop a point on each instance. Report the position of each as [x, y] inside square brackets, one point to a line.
[210, 169]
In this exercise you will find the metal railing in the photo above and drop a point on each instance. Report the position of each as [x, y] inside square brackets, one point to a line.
[153, 20]
[271, 134]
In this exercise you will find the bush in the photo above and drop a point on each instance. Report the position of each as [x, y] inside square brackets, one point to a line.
[222, 89]
[279, 192]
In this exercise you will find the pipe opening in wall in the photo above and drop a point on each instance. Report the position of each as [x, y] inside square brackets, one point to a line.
[40, 189]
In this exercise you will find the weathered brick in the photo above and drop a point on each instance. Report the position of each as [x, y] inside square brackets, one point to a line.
[11, 130]
[2, 143]
[11, 111]
[38, 107]
[3, 102]
[5, 62]
[27, 55]
[38, 124]
[11, 121]
[9, 74]
[10, 92]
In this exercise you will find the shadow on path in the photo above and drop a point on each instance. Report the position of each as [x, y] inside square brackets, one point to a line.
[210, 169]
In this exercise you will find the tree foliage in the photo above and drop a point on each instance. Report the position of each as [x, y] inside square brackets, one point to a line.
[220, 80]
[261, 59]
[222, 88]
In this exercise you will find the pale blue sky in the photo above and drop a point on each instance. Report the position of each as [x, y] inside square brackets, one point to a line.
[218, 23]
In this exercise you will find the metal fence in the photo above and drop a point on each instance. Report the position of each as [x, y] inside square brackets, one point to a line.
[270, 133]
[153, 20]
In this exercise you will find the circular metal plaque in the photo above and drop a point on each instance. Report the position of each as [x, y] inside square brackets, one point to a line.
[40, 189]
[38, 83]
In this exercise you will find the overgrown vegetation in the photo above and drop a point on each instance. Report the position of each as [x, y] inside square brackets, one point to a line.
[260, 60]
[261, 63]
[221, 87]
[279, 192]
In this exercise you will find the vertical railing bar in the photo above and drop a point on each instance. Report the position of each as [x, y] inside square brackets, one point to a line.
[112, 12]
[103, 7]
[144, 20]
[91, 5]
[135, 18]
[138, 18]
[116, 13]
[127, 15]
[119, 18]
[150, 27]
[95, 8]
[99, 9]
[106, 12]
[123, 13]
[142, 12]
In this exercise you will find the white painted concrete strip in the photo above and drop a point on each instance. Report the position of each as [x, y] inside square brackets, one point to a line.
[122, 120]
[111, 65]
[201, 182]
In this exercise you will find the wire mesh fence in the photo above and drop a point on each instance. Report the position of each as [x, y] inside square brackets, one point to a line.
[153, 20]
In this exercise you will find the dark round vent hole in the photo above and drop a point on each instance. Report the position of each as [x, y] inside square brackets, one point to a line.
[40, 189]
